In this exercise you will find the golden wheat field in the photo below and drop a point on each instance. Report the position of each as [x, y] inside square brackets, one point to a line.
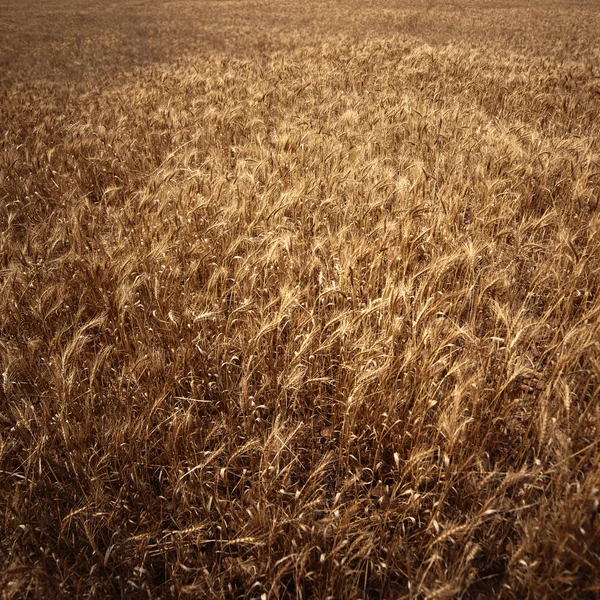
[300, 300]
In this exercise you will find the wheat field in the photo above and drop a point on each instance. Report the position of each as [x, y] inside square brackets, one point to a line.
[300, 300]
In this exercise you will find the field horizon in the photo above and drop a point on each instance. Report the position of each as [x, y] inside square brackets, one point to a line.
[299, 300]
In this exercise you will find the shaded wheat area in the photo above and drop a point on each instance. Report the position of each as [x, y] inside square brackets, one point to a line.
[308, 320]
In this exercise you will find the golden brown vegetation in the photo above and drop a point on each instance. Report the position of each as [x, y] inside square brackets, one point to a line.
[309, 315]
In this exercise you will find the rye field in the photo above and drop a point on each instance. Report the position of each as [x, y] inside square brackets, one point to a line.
[300, 300]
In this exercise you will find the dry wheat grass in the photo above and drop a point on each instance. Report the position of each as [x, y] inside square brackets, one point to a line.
[323, 324]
